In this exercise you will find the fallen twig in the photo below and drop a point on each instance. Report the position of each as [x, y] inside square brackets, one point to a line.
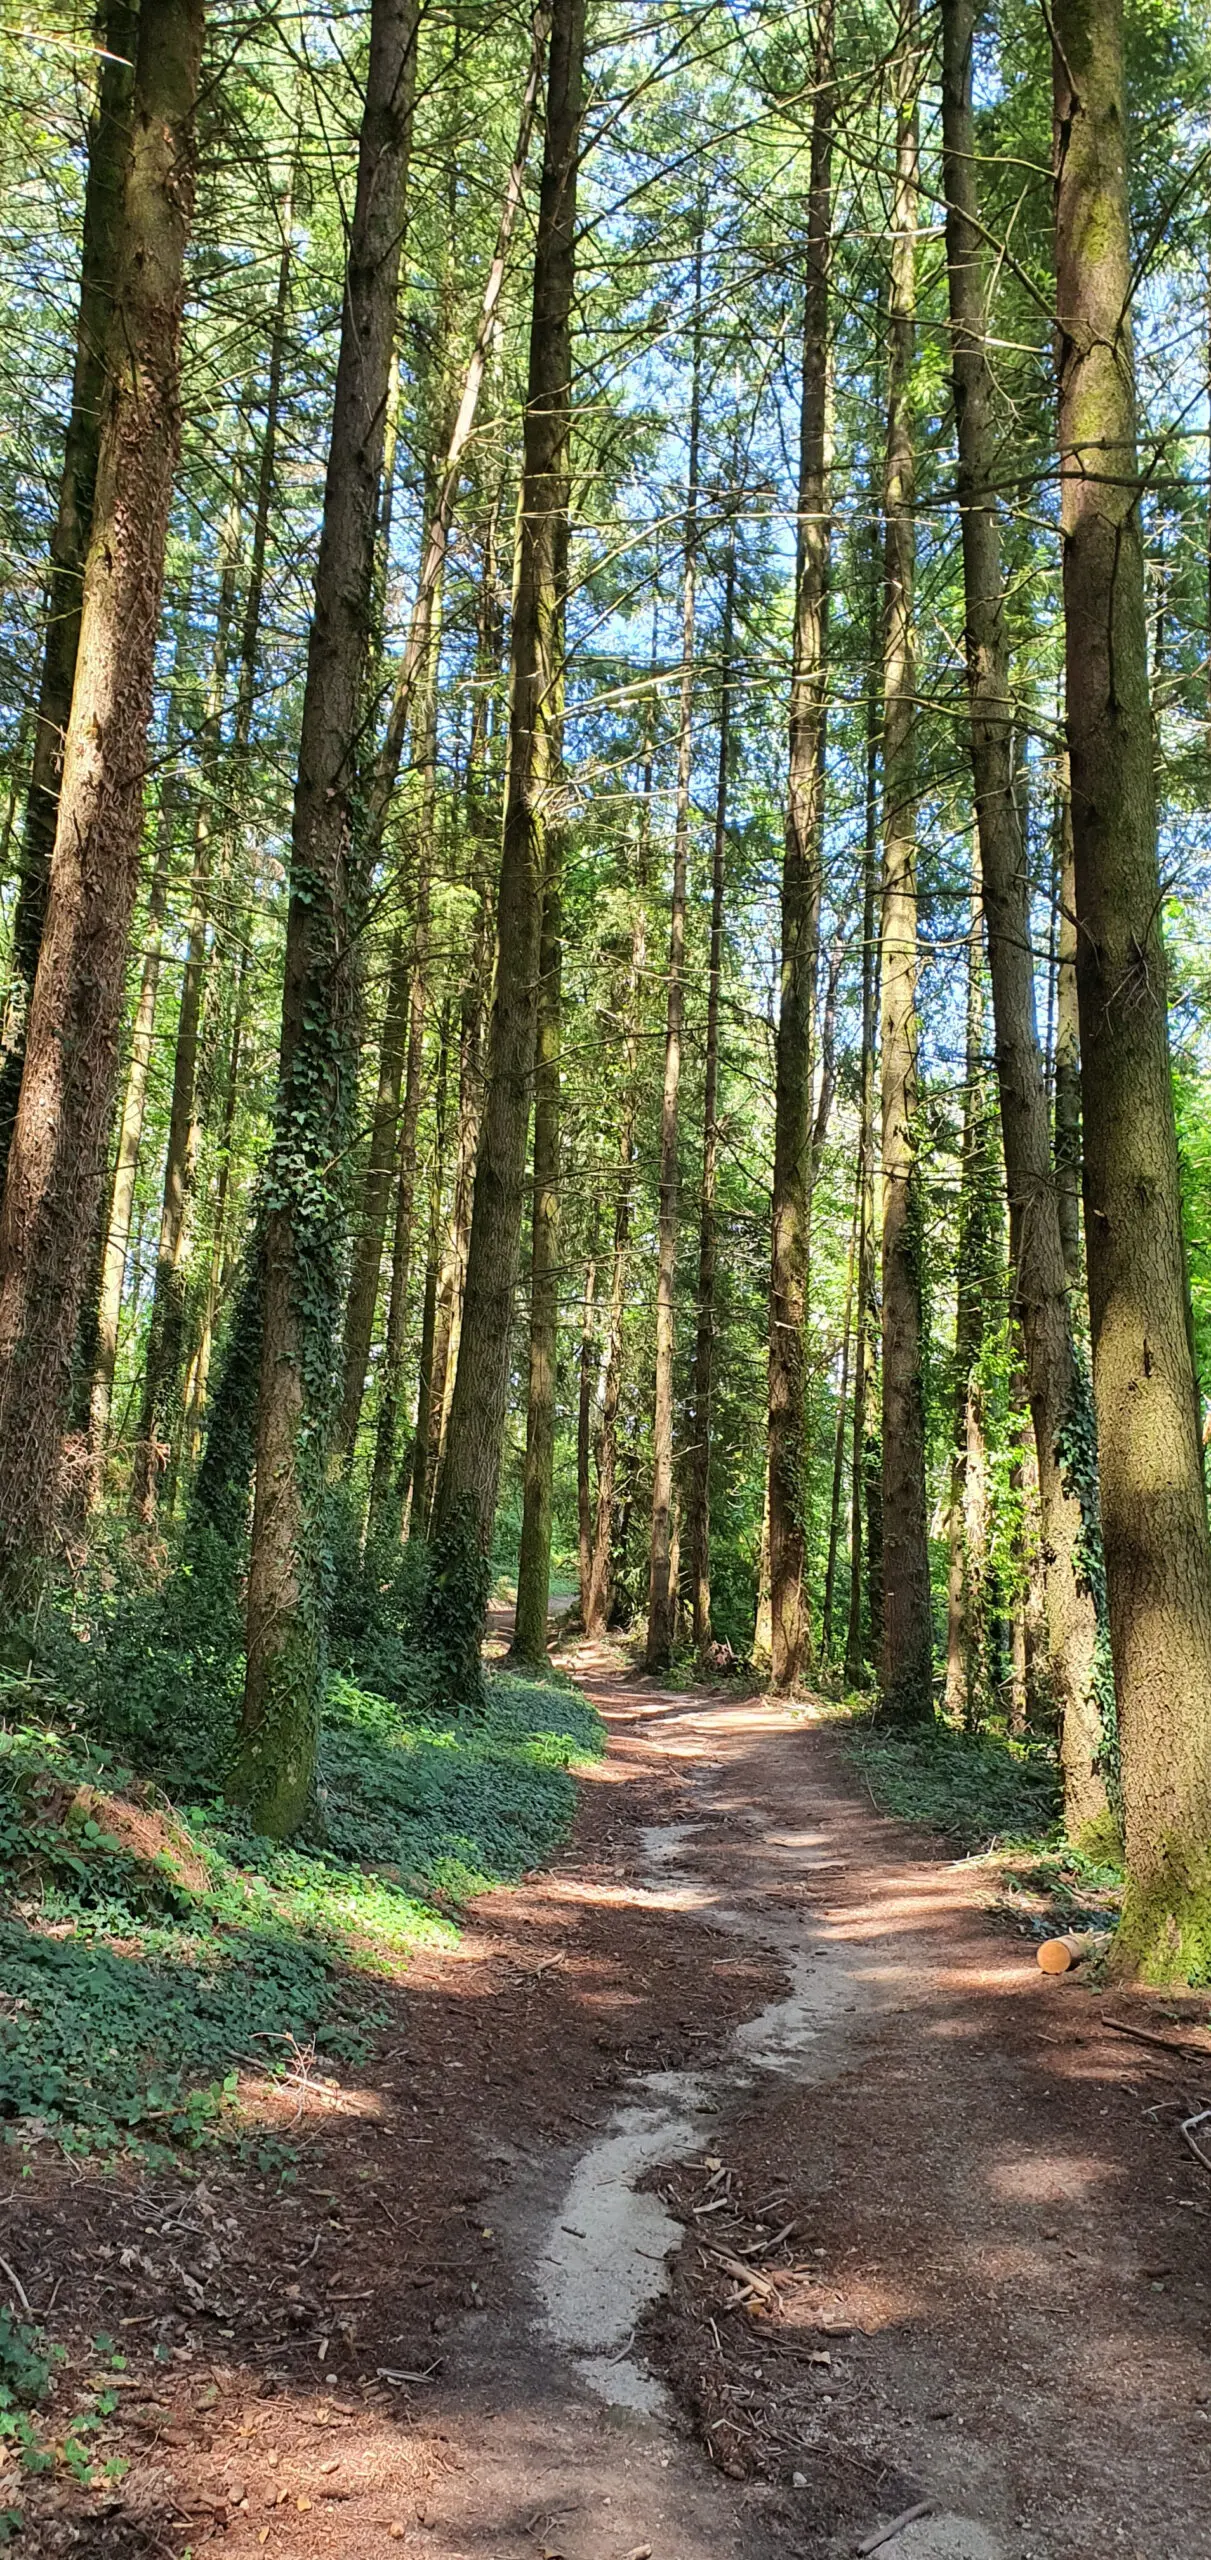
[888, 2532]
[18, 2287]
[1187, 2132]
[1166, 2044]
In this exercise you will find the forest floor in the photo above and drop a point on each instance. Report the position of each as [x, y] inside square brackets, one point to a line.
[747, 2131]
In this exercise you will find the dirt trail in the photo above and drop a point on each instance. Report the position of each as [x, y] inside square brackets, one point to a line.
[744, 2002]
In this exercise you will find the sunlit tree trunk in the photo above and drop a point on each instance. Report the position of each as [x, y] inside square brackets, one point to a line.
[834, 1508]
[698, 1491]
[422, 1436]
[865, 1552]
[975, 1288]
[907, 1691]
[465, 1500]
[534, 1559]
[600, 1586]
[1068, 1057]
[56, 1159]
[108, 152]
[274, 1771]
[1154, 1517]
[165, 1351]
[134, 1099]
[662, 1589]
[584, 1441]
[800, 937]
[1069, 1527]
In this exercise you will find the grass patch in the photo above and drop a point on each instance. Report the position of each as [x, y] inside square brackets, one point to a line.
[150, 1949]
[999, 1800]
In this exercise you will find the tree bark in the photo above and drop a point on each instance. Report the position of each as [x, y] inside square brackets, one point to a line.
[864, 1470]
[834, 1508]
[662, 1591]
[56, 1160]
[164, 1357]
[534, 1559]
[584, 1442]
[975, 1292]
[600, 1587]
[391, 1371]
[134, 1100]
[422, 1437]
[699, 1486]
[465, 1502]
[1068, 1057]
[275, 1767]
[1154, 1517]
[100, 267]
[800, 944]
[1067, 1480]
[907, 1684]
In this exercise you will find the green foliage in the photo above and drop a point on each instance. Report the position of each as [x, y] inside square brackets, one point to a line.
[149, 1951]
[976, 1788]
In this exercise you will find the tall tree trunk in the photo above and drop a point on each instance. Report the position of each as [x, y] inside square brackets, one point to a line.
[465, 1502]
[662, 1589]
[834, 1508]
[391, 1372]
[134, 1100]
[907, 1688]
[453, 1272]
[100, 267]
[534, 1559]
[422, 1437]
[303, 1219]
[56, 1160]
[966, 1628]
[584, 1442]
[800, 944]
[377, 1181]
[699, 1488]
[1067, 1472]
[166, 1331]
[1068, 1056]
[1154, 1516]
[865, 1470]
[601, 1568]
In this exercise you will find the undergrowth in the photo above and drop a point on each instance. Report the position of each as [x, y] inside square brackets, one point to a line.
[151, 1947]
[998, 1799]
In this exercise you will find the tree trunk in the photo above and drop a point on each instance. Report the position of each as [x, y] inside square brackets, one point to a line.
[1066, 1470]
[600, 1589]
[907, 1687]
[134, 1100]
[662, 1591]
[403, 973]
[165, 1352]
[453, 1273]
[865, 1467]
[422, 1437]
[465, 1503]
[975, 1286]
[100, 266]
[699, 1488]
[1154, 1517]
[800, 945]
[1068, 1058]
[534, 1559]
[56, 1160]
[584, 1444]
[304, 1208]
[834, 1508]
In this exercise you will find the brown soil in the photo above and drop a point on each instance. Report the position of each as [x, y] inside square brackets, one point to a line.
[980, 2244]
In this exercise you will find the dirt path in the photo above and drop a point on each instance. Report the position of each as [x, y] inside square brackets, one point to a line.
[746, 2003]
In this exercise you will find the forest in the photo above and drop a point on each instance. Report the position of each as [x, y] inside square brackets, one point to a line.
[604, 731]
[605, 1140]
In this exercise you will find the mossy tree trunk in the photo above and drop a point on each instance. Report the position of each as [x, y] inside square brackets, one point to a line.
[304, 1205]
[864, 1551]
[465, 1501]
[789, 1628]
[1035, 1233]
[907, 1652]
[1154, 1517]
[108, 153]
[1067, 1073]
[57, 1155]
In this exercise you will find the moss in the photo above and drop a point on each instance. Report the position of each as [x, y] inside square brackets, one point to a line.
[1164, 1936]
[1101, 1841]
